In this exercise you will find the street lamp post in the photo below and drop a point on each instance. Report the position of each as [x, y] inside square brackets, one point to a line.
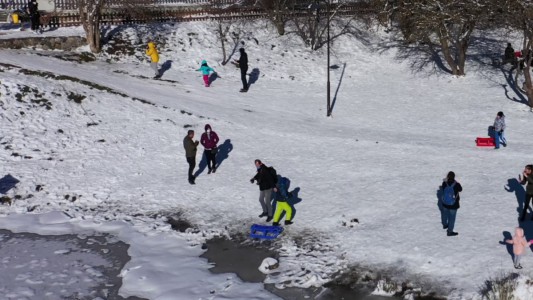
[316, 7]
[328, 89]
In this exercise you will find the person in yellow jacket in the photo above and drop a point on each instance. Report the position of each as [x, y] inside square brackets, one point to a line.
[281, 196]
[154, 56]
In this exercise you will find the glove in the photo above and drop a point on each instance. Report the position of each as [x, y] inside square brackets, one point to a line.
[196, 143]
[252, 180]
[501, 131]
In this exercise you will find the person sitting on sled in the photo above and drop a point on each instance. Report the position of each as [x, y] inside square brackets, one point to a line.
[281, 196]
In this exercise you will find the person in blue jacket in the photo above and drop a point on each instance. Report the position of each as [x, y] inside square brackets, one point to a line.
[205, 72]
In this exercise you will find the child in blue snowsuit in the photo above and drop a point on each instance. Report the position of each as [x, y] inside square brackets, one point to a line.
[205, 72]
[281, 197]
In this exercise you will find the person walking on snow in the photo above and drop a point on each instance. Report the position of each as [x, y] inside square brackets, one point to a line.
[154, 58]
[527, 177]
[33, 11]
[519, 242]
[243, 65]
[450, 202]
[205, 72]
[499, 127]
[281, 196]
[266, 179]
[190, 153]
[209, 140]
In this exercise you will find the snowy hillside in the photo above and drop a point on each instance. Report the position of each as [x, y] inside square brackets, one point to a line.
[103, 141]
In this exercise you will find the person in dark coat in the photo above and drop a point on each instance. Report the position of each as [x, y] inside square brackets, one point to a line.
[33, 11]
[509, 56]
[266, 181]
[190, 153]
[209, 140]
[243, 65]
[452, 187]
[527, 177]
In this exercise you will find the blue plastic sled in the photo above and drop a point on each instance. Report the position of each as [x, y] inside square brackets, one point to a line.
[265, 232]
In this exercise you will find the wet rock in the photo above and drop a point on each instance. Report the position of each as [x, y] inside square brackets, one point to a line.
[179, 225]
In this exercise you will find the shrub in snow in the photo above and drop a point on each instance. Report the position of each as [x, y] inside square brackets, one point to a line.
[268, 265]
[500, 288]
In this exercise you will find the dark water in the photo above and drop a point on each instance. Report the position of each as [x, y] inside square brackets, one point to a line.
[108, 256]
[244, 260]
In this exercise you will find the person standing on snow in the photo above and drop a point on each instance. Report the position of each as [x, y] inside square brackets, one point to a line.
[243, 65]
[509, 55]
[154, 58]
[205, 72]
[450, 202]
[281, 196]
[190, 153]
[209, 140]
[527, 177]
[519, 242]
[266, 179]
[33, 11]
[499, 127]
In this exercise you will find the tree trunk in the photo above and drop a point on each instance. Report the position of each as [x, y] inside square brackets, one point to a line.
[93, 36]
[280, 25]
[461, 48]
[448, 56]
[222, 37]
[528, 86]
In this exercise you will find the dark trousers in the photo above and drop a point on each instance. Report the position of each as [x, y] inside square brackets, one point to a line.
[211, 159]
[34, 18]
[243, 78]
[192, 164]
[526, 205]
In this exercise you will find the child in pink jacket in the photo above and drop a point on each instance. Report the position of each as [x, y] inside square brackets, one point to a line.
[519, 243]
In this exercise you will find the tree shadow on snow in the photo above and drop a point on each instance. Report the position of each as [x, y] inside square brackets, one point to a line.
[292, 199]
[7, 183]
[513, 85]
[419, 55]
[513, 186]
[165, 67]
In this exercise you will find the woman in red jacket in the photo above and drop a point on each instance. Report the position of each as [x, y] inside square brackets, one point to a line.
[209, 140]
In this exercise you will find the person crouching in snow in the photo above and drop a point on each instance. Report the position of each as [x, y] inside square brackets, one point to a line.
[205, 72]
[281, 196]
[519, 242]
[154, 57]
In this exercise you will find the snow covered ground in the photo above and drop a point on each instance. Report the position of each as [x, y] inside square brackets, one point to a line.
[79, 130]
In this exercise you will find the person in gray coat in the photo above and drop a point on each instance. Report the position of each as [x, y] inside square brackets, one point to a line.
[190, 153]
[499, 127]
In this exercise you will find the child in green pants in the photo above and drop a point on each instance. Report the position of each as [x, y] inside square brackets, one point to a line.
[281, 196]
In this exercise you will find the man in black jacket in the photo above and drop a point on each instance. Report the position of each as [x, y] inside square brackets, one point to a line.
[527, 177]
[243, 65]
[190, 153]
[266, 181]
[509, 56]
[33, 11]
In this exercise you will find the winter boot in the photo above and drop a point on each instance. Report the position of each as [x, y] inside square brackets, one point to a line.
[275, 224]
[288, 222]
[451, 233]
[269, 218]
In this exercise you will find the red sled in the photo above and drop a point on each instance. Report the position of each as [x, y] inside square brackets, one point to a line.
[485, 142]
